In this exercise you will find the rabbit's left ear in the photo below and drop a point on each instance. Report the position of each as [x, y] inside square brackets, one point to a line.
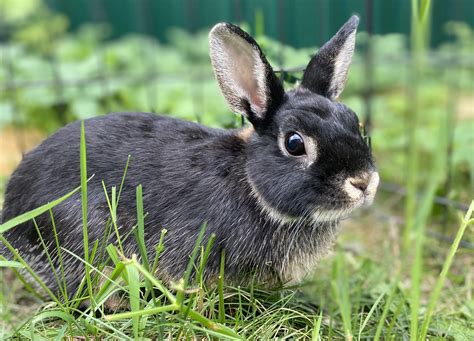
[245, 77]
[326, 73]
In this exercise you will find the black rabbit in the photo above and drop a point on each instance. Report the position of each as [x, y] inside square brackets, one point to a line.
[272, 194]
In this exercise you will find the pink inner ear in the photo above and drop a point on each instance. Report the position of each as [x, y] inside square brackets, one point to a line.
[240, 71]
[248, 85]
[244, 76]
[257, 102]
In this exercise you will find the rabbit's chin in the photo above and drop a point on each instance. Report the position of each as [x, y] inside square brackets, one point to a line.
[328, 215]
[334, 215]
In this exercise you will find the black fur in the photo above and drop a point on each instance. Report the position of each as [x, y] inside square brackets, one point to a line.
[192, 174]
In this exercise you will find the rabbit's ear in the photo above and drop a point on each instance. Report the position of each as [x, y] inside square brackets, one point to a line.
[245, 77]
[326, 73]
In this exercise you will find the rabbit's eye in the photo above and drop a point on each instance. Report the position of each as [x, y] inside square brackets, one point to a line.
[294, 144]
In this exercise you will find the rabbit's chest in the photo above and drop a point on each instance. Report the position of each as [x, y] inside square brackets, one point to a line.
[304, 251]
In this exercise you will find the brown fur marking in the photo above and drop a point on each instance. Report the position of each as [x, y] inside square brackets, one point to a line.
[245, 133]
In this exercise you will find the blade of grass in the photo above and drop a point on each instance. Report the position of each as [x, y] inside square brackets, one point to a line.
[140, 313]
[203, 260]
[253, 300]
[83, 165]
[10, 264]
[58, 251]
[92, 254]
[416, 275]
[424, 11]
[140, 238]
[109, 224]
[239, 313]
[140, 230]
[442, 277]
[123, 179]
[156, 283]
[22, 218]
[57, 314]
[105, 289]
[113, 201]
[315, 335]
[202, 264]
[159, 248]
[419, 43]
[190, 266]
[220, 288]
[341, 291]
[112, 252]
[61, 334]
[228, 332]
[421, 220]
[111, 279]
[134, 295]
[371, 311]
[395, 315]
[50, 261]
[113, 214]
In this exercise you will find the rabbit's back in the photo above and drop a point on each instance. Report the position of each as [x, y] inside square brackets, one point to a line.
[52, 169]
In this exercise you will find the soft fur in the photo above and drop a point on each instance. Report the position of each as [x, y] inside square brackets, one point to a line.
[274, 214]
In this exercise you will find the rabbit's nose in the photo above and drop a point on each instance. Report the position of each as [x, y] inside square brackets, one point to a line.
[364, 184]
[360, 183]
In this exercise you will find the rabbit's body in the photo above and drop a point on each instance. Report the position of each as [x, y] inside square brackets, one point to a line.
[204, 183]
[272, 195]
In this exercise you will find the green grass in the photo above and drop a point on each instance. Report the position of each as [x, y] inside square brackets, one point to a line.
[251, 313]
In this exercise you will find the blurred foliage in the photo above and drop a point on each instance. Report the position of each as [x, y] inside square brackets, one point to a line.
[50, 76]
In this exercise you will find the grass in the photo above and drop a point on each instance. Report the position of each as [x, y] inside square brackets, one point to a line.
[254, 313]
[351, 297]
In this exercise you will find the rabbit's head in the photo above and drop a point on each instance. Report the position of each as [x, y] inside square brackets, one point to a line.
[306, 158]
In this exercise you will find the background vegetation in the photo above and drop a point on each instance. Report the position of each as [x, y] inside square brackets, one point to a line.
[383, 280]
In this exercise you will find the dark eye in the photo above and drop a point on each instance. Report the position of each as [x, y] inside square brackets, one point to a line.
[294, 144]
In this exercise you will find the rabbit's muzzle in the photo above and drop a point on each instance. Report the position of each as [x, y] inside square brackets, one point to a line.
[361, 189]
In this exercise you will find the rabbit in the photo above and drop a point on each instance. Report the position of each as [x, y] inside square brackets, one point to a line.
[272, 193]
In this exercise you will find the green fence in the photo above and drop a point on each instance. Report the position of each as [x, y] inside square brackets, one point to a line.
[295, 22]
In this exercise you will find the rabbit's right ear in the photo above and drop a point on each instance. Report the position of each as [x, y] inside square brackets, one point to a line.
[245, 77]
[326, 73]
